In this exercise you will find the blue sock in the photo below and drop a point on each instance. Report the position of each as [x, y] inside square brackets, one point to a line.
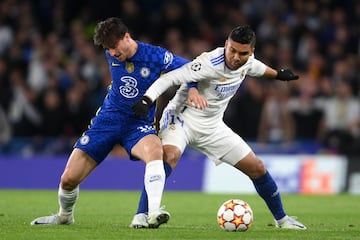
[143, 202]
[267, 189]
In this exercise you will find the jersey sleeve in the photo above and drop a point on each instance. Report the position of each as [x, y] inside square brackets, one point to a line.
[176, 63]
[194, 71]
[257, 68]
[170, 61]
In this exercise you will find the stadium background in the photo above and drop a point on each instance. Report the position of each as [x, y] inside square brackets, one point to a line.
[52, 80]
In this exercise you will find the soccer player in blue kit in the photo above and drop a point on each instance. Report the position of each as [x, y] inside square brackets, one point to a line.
[134, 66]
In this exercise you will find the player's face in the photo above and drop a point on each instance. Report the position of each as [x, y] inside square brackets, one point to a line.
[237, 54]
[123, 49]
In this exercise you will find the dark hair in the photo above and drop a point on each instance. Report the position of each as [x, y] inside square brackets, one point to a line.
[243, 34]
[108, 32]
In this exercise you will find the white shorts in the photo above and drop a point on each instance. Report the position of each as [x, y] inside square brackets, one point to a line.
[219, 142]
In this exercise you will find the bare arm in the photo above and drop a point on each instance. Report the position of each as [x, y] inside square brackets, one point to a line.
[282, 74]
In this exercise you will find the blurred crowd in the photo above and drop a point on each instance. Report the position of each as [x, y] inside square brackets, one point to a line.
[53, 78]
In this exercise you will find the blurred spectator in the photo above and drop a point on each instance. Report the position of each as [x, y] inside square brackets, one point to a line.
[5, 88]
[24, 116]
[253, 95]
[52, 114]
[276, 124]
[306, 111]
[341, 118]
[77, 112]
[6, 35]
[5, 129]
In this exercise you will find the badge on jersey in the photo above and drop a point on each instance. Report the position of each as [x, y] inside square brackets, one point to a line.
[145, 72]
[168, 59]
[196, 66]
[84, 140]
[243, 73]
[129, 67]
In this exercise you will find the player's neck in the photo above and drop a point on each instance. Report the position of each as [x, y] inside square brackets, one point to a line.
[133, 48]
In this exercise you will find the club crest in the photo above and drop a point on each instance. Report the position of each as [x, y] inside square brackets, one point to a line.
[129, 67]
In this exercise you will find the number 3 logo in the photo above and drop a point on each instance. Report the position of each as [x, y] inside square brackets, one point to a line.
[129, 90]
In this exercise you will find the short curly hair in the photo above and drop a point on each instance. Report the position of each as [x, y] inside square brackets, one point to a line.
[108, 32]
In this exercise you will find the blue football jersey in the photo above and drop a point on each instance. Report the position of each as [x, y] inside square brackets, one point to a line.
[131, 79]
[115, 122]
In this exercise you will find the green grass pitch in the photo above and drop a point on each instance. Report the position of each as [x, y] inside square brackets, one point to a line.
[106, 215]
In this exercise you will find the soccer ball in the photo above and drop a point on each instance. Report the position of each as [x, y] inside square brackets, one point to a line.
[235, 215]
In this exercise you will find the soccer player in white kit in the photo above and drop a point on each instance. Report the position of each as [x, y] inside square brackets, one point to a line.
[195, 115]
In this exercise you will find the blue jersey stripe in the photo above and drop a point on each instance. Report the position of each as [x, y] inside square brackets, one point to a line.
[217, 60]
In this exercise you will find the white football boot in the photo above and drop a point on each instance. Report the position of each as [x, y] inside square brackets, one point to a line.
[54, 220]
[139, 221]
[156, 218]
[290, 223]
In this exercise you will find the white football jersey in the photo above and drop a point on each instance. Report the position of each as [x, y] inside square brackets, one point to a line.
[215, 81]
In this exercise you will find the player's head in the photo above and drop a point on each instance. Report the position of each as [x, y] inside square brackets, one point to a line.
[239, 46]
[113, 35]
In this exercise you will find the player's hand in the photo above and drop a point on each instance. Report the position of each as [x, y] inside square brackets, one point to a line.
[196, 100]
[141, 107]
[286, 75]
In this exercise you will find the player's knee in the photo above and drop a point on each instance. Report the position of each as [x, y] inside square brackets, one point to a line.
[259, 169]
[154, 149]
[68, 183]
[171, 155]
[252, 166]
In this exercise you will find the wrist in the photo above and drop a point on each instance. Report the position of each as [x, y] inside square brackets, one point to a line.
[192, 85]
[147, 99]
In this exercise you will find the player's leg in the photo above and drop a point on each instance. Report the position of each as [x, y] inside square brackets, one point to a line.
[263, 182]
[174, 143]
[268, 190]
[239, 154]
[149, 149]
[171, 156]
[140, 218]
[77, 169]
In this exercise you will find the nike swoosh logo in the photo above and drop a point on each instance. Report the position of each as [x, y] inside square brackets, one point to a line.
[154, 178]
[115, 64]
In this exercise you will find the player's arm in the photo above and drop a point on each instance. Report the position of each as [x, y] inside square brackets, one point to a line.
[260, 69]
[175, 77]
[190, 72]
[195, 99]
[282, 74]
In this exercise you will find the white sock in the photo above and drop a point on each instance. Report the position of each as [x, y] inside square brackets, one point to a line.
[154, 180]
[282, 220]
[67, 200]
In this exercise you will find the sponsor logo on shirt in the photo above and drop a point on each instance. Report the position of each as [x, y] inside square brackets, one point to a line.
[129, 89]
[226, 90]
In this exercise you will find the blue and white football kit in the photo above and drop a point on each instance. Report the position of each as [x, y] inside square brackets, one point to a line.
[204, 130]
[114, 122]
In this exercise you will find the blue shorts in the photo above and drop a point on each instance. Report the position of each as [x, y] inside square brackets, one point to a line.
[107, 130]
